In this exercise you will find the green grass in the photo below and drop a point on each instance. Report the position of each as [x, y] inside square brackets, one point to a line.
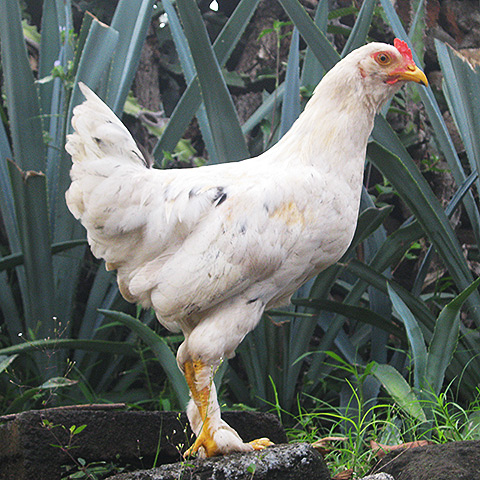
[384, 423]
[352, 420]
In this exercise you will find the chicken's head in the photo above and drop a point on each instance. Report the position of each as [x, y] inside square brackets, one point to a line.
[391, 65]
[380, 68]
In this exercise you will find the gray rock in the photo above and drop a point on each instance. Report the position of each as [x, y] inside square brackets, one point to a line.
[279, 462]
[451, 461]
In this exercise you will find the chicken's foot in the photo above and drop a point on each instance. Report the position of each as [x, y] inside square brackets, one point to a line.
[201, 399]
[214, 436]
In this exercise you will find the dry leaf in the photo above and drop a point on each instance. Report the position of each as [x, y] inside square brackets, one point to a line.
[345, 475]
[381, 450]
[323, 445]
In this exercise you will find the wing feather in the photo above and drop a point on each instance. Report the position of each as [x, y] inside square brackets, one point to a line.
[186, 240]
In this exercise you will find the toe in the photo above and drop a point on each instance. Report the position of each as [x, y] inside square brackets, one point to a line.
[204, 446]
[260, 443]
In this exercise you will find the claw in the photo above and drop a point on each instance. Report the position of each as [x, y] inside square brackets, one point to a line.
[206, 443]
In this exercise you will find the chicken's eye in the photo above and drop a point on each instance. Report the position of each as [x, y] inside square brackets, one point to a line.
[383, 58]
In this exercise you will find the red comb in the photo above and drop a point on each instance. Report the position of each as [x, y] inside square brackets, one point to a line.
[404, 49]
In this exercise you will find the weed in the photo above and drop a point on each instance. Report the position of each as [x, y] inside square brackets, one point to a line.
[346, 431]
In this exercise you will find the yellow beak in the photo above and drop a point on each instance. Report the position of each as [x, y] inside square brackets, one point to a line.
[412, 74]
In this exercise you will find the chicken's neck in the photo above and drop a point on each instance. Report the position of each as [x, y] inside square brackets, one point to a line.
[334, 128]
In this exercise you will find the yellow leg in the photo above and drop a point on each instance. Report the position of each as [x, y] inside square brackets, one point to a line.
[190, 378]
[202, 401]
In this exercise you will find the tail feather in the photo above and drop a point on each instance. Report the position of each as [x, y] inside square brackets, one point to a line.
[99, 145]
[100, 134]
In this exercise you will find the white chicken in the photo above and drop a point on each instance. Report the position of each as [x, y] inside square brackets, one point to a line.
[210, 248]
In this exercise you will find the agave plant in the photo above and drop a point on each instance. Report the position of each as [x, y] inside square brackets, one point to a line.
[42, 266]
[460, 84]
[31, 210]
[429, 366]
[372, 275]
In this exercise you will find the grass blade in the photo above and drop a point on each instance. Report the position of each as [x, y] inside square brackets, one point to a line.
[417, 28]
[315, 38]
[132, 30]
[189, 71]
[190, 101]
[6, 361]
[184, 111]
[7, 205]
[312, 69]
[353, 312]
[417, 194]
[424, 315]
[92, 63]
[16, 259]
[115, 348]
[29, 189]
[22, 97]
[291, 103]
[395, 246]
[8, 307]
[461, 85]
[372, 277]
[449, 210]
[56, 45]
[369, 221]
[360, 29]
[265, 109]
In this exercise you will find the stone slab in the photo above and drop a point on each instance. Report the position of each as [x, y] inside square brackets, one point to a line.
[126, 437]
[279, 462]
[451, 461]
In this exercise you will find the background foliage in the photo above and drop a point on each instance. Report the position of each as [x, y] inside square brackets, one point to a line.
[68, 337]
